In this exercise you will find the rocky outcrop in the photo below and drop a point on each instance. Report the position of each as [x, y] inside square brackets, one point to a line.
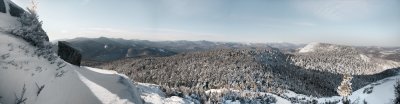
[69, 54]
[2, 7]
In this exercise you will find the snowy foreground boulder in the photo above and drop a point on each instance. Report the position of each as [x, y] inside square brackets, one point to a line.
[29, 79]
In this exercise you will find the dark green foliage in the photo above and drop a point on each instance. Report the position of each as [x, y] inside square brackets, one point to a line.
[15, 10]
[368, 90]
[332, 102]
[397, 93]
[300, 100]
[2, 6]
[345, 101]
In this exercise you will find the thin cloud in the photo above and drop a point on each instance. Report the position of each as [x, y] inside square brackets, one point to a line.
[338, 10]
[305, 24]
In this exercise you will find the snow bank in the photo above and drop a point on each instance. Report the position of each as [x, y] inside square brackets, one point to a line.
[279, 100]
[27, 78]
[380, 92]
[152, 94]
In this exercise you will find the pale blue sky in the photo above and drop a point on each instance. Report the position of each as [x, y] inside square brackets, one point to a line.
[350, 22]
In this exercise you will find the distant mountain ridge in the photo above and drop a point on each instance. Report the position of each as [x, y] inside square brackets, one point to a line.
[105, 49]
[108, 49]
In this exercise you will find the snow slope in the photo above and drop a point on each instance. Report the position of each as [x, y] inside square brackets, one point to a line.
[30, 79]
[279, 100]
[382, 92]
[152, 94]
[309, 47]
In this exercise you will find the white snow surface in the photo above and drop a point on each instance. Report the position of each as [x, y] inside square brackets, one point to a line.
[20, 67]
[152, 94]
[365, 58]
[382, 93]
[279, 100]
[316, 46]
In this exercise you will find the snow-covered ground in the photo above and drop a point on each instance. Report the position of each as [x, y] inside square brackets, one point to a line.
[152, 94]
[279, 100]
[309, 48]
[27, 78]
[380, 92]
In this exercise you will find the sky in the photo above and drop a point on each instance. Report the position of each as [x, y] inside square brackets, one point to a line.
[349, 22]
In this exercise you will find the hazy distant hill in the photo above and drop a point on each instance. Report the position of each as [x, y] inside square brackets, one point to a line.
[108, 49]
[389, 53]
[340, 59]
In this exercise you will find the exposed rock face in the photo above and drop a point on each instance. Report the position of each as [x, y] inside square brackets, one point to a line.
[2, 7]
[69, 54]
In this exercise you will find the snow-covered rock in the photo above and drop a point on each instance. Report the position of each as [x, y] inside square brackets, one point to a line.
[6, 20]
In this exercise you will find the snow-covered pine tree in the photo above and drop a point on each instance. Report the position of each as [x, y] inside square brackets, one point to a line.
[30, 29]
[345, 89]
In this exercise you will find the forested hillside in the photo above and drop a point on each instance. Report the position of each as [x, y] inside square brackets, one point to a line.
[255, 69]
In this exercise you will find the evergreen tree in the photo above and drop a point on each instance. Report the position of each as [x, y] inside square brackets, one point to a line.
[31, 29]
[345, 89]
